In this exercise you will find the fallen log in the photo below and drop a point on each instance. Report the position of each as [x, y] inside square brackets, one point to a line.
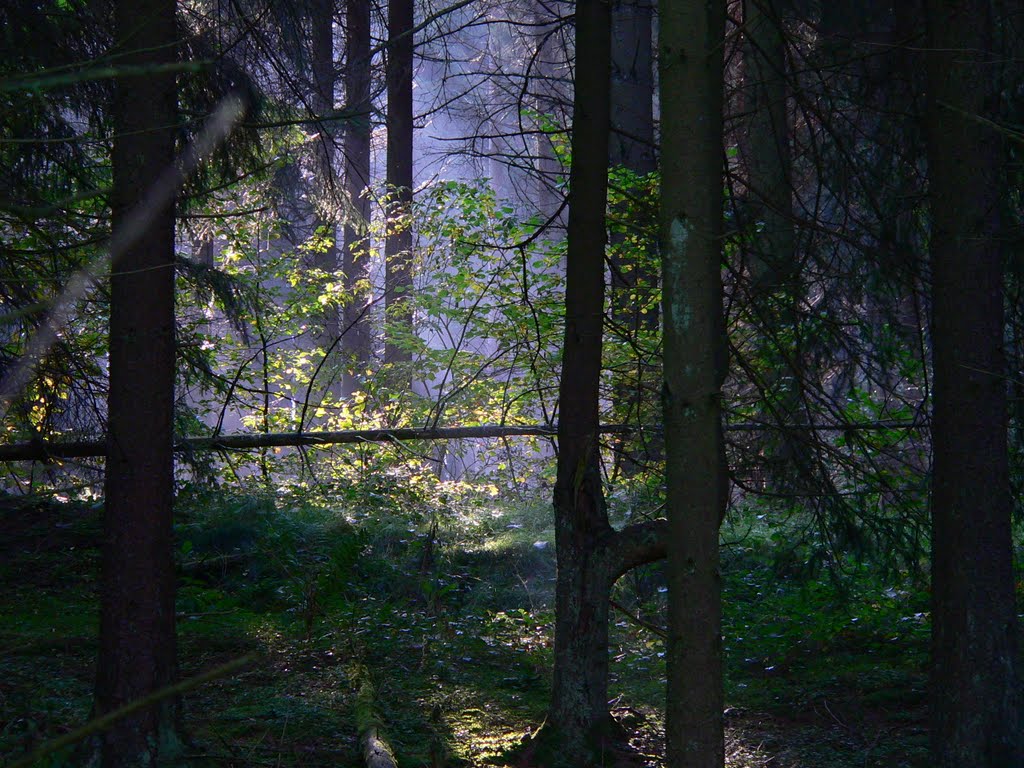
[45, 450]
[376, 750]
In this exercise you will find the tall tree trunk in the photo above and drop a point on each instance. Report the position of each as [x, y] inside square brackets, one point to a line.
[975, 694]
[768, 156]
[634, 279]
[773, 270]
[591, 555]
[544, 74]
[579, 708]
[632, 86]
[322, 102]
[356, 343]
[691, 69]
[398, 246]
[137, 653]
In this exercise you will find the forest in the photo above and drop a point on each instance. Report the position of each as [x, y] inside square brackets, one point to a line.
[528, 383]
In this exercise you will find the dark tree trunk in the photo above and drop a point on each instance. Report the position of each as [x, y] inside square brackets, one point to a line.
[691, 69]
[322, 103]
[975, 695]
[356, 343]
[398, 246]
[634, 280]
[579, 708]
[137, 653]
[772, 266]
[768, 157]
[591, 555]
[578, 718]
[632, 86]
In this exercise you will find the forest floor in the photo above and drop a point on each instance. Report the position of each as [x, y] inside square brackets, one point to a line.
[449, 617]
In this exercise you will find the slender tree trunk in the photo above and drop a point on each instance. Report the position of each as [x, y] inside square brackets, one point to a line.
[356, 343]
[398, 246]
[975, 695]
[632, 86]
[768, 156]
[137, 654]
[322, 102]
[691, 69]
[634, 279]
[579, 706]
[773, 270]
[544, 73]
[591, 555]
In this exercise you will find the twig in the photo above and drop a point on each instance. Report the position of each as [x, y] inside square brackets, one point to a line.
[638, 621]
[101, 723]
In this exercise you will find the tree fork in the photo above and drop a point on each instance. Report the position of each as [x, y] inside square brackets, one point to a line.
[578, 720]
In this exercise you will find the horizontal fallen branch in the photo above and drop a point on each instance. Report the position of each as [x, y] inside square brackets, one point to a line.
[43, 450]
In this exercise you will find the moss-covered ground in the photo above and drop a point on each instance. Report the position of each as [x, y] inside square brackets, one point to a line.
[447, 613]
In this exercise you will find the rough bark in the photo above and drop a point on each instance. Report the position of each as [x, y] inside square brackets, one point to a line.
[137, 653]
[975, 694]
[398, 244]
[357, 341]
[691, 69]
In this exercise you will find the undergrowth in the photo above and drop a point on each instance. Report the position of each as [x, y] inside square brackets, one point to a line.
[441, 596]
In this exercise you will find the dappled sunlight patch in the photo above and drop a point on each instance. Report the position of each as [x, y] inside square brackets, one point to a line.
[270, 635]
[520, 630]
[745, 746]
[644, 727]
[517, 540]
[484, 734]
